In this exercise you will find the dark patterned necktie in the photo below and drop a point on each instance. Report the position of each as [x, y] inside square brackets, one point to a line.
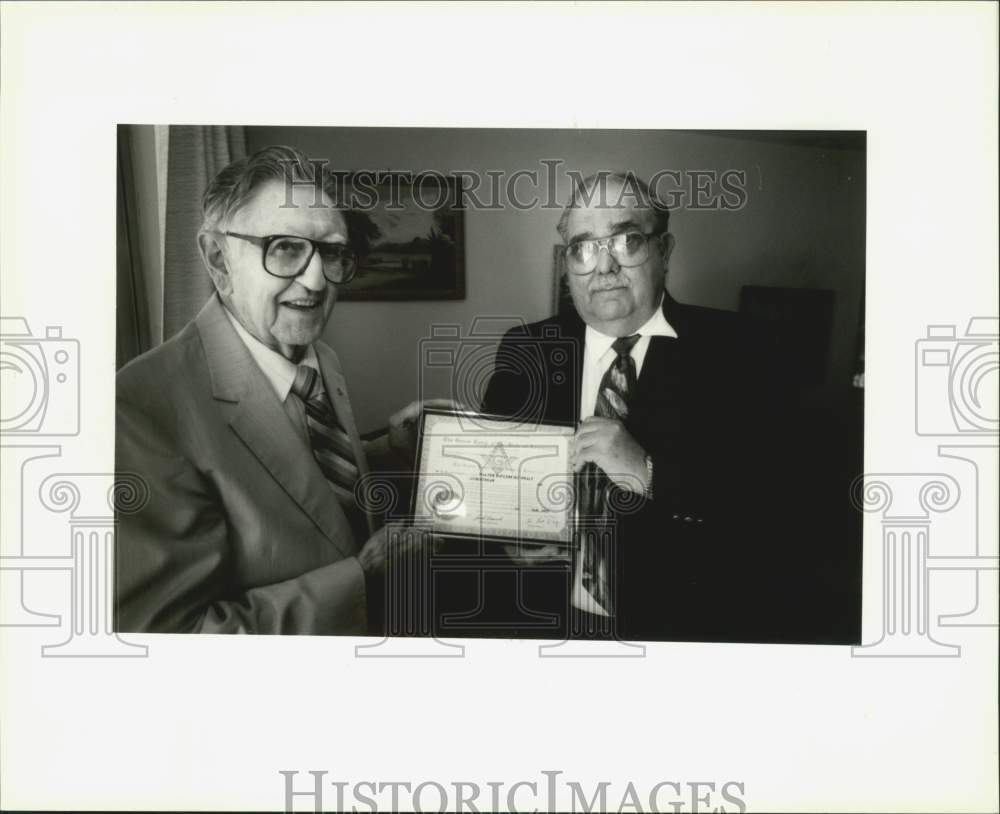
[331, 445]
[617, 385]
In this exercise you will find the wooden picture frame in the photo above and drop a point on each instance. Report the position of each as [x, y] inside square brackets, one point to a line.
[562, 302]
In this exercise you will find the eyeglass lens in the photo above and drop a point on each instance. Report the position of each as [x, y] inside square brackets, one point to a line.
[287, 257]
[628, 249]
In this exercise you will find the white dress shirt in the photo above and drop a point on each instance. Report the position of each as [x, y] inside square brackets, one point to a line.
[280, 372]
[598, 356]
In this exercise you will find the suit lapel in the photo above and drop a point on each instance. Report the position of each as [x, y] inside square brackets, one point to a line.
[662, 374]
[564, 401]
[258, 418]
[662, 377]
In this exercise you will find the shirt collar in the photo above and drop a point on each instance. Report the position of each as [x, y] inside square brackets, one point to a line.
[656, 325]
[278, 370]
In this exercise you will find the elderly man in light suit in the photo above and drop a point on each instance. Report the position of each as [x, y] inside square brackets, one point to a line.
[242, 429]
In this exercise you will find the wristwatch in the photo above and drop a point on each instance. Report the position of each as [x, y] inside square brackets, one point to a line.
[649, 477]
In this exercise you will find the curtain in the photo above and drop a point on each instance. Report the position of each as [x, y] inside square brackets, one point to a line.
[132, 329]
[196, 154]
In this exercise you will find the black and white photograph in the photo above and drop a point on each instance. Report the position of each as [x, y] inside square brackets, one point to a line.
[713, 387]
[498, 407]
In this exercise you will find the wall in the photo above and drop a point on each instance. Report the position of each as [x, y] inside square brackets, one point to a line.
[803, 225]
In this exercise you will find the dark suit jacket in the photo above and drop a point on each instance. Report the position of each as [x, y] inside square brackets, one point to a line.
[241, 532]
[703, 408]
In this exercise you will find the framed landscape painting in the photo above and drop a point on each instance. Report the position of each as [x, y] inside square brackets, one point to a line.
[410, 238]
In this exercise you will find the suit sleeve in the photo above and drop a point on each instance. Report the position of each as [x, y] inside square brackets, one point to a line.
[383, 458]
[510, 388]
[175, 566]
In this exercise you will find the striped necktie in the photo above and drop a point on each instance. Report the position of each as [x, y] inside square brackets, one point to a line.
[331, 445]
[617, 385]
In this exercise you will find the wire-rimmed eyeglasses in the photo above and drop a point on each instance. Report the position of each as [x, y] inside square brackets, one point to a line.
[627, 248]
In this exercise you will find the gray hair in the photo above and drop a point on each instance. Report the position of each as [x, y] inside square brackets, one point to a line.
[236, 184]
[633, 188]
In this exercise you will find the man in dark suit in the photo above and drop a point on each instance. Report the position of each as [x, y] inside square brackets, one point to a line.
[242, 430]
[671, 401]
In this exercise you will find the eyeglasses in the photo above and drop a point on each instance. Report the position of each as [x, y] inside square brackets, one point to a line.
[627, 248]
[288, 256]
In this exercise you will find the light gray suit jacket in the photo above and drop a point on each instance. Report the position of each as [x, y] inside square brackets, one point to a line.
[241, 532]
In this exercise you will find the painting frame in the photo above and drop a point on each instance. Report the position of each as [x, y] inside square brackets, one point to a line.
[562, 301]
[409, 232]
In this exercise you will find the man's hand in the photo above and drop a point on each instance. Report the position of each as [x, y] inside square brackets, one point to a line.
[606, 442]
[383, 546]
[528, 554]
[403, 424]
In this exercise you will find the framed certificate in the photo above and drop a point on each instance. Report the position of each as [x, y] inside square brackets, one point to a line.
[488, 477]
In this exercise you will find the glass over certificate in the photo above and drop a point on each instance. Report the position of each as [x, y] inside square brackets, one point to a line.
[489, 477]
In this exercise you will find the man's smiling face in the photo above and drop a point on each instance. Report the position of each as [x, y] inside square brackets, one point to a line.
[614, 300]
[284, 314]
